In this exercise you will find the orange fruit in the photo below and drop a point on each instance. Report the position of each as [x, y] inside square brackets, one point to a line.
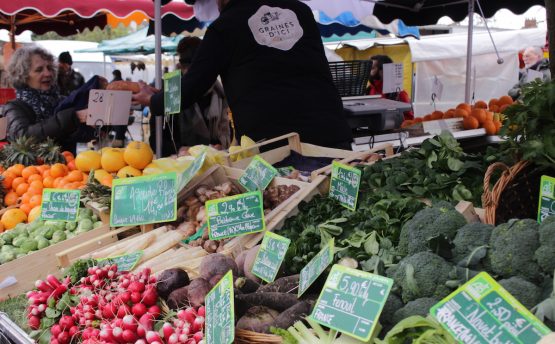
[465, 107]
[112, 160]
[22, 188]
[58, 170]
[129, 171]
[493, 102]
[75, 176]
[34, 214]
[100, 174]
[26, 197]
[34, 177]
[26, 208]
[17, 181]
[417, 120]
[87, 160]
[437, 115]
[12, 217]
[71, 165]
[480, 104]
[68, 156]
[427, 118]
[107, 181]
[85, 177]
[448, 115]
[490, 127]
[11, 198]
[35, 200]
[404, 124]
[470, 122]
[17, 169]
[494, 108]
[505, 100]
[29, 171]
[138, 154]
[57, 182]
[42, 168]
[479, 114]
[35, 188]
[48, 182]
[460, 112]
[489, 116]
[498, 126]
[504, 107]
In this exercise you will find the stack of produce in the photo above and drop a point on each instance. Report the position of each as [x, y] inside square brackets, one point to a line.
[26, 238]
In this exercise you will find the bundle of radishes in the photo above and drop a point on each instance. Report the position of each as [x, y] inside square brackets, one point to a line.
[111, 307]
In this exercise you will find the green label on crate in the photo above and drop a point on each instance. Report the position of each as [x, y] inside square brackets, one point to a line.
[220, 312]
[270, 256]
[345, 181]
[315, 267]
[172, 92]
[60, 204]
[195, 236]
[144, 200]
[258, 175]
[124, 262]
[546, 205]
[285, 171]
[191, 171]
[235, 215]
[351, 301]
[481, 311]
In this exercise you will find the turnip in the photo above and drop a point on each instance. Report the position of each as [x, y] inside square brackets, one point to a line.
[138, 310]
[129, 336]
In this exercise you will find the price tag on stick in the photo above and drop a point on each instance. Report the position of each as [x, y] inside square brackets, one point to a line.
[270, 256]
[344, 185]
[60, 204]
[546, 205]
[258, 175]
[392, 77]
[172, 92]
[351, 301]
[315, 267]
[144, 200]
[126, 262]
[220, 312]
[191, 171]
[235, 215]
[481, 311]
[108, 107]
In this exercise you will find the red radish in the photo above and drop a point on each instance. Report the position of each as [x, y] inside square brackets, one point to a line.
[201, 311]
[186, 330]
[123, 310]
[106, 334]
[63, 338]
[117, 333]
[146, 323]
[55, 330]
[129, 323]
[140, 341]
[150, 296]
[173, 339]
[125, 297]
[188, 315]
[152, 337]
[58, 292]
[198, 336]
[53, 281]
[129, 336]
[198, 324]
[74, 330]
[34, 311]
[183, 338]
[87, 333]
[34, 322]
[155, 311]
[136, 297]
[109, 311]
[138, 310]
[167, 330]
[54, 341]
[43, 286]
[136, 286]
[41, 308]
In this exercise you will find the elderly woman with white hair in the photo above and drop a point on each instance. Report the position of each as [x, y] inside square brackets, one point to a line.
[32, 73]
[535, 67]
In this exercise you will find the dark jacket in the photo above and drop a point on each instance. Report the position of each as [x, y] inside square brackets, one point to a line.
[270, 90]
[69, 82]
[22, 120]
[541, 66]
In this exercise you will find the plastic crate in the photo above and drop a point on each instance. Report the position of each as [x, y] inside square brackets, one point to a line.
[10, 333]
[351, 77]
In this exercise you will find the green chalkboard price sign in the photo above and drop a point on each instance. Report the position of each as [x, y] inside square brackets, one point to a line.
[190, 171]
[172, 92]
[124, 262]
[345, 181]
[60, 204]
[270, 256]
[258, 175]
[546, 205]
[285, 171]
[220, 313]
[351, 301]
[143, 200]
[315, 267]
[481, 311]
[235, 215]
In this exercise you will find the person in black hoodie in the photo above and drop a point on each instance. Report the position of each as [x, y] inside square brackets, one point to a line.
[272, 64]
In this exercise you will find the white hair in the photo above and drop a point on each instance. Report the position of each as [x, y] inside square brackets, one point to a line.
[19, 67]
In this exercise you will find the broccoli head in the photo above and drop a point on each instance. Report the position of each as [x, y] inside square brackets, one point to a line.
[421, 219]
[392, 305]
[545, 254]
[416, 307]
[525, 292]
[421, 275]
[468, 238]
[512, 247]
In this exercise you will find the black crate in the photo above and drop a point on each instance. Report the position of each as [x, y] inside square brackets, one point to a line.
[351, 77]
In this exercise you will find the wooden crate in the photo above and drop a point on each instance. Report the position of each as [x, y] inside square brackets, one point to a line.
[26, 270]
[294, 144]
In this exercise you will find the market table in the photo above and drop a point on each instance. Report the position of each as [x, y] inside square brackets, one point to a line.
[373, 113]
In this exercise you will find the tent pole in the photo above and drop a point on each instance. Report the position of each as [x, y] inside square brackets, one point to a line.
[467, 91]
[104, 62]
[158, 69]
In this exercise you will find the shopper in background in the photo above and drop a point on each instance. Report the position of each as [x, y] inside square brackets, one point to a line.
[205, 122]
[272, 64]
[68, 78]
[32, 73]
[535, 67]
[117, 75]
[375, 86]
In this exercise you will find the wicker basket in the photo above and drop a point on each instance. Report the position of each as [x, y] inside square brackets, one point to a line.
[514, 195]
[250, 337]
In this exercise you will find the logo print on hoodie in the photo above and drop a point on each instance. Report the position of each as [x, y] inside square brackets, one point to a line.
[275, 27]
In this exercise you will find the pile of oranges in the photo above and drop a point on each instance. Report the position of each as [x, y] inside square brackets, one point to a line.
[480, 115]
[23, 185]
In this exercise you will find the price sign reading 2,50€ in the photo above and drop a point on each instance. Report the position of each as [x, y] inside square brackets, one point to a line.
[351, 301]
[345, 181]
[481, 311]
[60, 205]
